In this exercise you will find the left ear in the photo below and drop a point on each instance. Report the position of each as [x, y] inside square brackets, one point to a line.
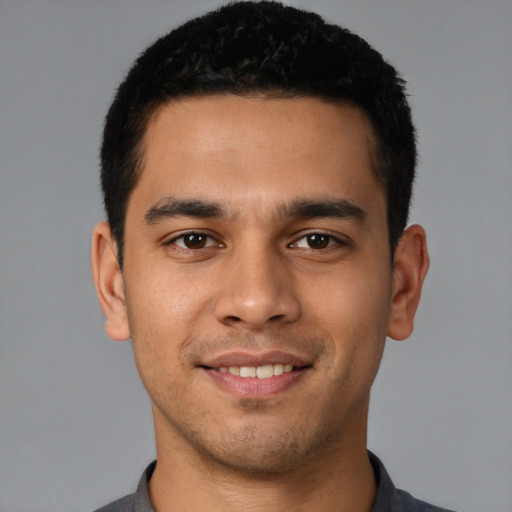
[410, 268]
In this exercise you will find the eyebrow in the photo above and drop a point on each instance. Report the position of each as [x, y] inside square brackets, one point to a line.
[171, 207]
[325, 208]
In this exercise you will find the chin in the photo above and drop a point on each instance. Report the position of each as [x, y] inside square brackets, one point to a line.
[255, 451]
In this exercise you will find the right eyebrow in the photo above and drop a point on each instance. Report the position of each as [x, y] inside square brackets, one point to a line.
[171, 207]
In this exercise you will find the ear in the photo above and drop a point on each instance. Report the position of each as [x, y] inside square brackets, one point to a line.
[410, 268]
[108, 280]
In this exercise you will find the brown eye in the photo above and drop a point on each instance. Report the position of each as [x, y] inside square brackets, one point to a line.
[195, 240]
[318, 241]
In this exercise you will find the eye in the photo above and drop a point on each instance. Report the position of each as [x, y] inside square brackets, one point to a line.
[193, 241]
[317, 241]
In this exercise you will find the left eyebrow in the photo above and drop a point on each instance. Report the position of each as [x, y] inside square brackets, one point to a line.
[171, 207]
[336, 209]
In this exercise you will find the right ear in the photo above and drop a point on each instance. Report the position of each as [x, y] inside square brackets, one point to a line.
[108, 280]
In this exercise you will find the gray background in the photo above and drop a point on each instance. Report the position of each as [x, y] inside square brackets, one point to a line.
[75, 424]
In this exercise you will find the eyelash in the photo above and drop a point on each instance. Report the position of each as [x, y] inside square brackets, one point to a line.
[183, 236]
[332, 241]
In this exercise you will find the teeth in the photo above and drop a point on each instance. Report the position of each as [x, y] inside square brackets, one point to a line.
[264, 372]
[278, 369]
[261, 372]
[248, 371]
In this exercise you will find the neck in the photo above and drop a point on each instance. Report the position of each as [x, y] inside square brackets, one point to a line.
[338, 480]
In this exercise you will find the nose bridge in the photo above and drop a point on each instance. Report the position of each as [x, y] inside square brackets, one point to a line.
[257, 287]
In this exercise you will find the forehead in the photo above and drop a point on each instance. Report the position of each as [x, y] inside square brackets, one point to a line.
[240, 148]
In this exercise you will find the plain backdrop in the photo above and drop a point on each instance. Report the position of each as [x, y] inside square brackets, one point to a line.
[75, 423]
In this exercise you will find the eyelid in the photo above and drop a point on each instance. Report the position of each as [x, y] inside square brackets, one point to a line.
[174, 237]
[338, 239]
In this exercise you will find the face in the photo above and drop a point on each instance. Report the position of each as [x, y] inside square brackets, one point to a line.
[257, 277]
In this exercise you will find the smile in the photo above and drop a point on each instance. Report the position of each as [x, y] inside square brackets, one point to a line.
[256, 375]
[265, 371]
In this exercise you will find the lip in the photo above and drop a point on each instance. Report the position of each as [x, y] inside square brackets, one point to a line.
[255, 359]
[253, 387]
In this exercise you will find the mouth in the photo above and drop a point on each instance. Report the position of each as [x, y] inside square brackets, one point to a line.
[256, 376]
[265, 371]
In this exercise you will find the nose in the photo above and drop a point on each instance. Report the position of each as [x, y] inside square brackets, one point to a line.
[257, 290]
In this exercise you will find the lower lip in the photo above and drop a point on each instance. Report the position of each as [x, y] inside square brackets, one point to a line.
[254, 388]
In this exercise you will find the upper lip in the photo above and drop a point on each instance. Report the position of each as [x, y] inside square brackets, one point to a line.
[240, 358]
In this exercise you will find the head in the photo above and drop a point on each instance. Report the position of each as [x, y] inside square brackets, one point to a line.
[260, 49]
[257, 170]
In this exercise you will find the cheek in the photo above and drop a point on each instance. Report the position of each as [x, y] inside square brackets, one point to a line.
[353, 315]
[166, 301]
[357, 301]
[163, 311]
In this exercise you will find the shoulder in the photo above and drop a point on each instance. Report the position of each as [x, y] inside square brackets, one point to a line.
[126, 504]
[136, 502]
[413, 504]
[391, 499]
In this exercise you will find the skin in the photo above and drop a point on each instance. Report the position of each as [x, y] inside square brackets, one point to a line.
[254, 283]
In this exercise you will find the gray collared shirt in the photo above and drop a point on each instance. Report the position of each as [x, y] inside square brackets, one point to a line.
[388, 499]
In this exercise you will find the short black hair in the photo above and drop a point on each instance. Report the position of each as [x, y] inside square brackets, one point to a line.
[264, 48]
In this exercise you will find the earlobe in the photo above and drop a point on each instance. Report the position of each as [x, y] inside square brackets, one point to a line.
[108, 280]
[410, 268]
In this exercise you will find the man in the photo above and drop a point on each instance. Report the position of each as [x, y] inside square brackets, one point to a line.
[257, 167]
